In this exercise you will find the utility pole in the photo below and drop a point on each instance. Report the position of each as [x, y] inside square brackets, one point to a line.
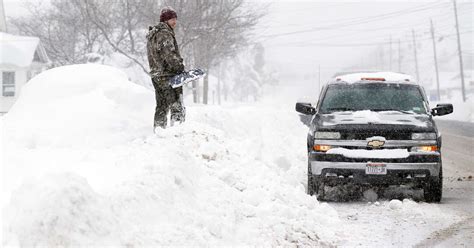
[319, 79]
[390, 62]
[435, 59]
[382, 60]
[460, 53]
[399, 56]
[195, 91]
[219, 74]
[416, 58]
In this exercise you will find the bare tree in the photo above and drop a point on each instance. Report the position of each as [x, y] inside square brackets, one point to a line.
[121, 23]
[209, 31]
[214, 31]
[66, 35]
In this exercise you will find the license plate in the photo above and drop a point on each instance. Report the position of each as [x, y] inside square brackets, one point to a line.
[376, 169]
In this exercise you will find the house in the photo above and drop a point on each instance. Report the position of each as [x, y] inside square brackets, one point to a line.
[21, 58]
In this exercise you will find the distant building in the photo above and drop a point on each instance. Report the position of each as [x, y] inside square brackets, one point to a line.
[21, 58]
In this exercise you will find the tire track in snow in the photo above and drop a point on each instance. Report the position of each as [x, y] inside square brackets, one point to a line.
[437, 237]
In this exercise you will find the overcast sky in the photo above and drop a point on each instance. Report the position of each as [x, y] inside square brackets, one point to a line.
[332, 33]
[300, 35]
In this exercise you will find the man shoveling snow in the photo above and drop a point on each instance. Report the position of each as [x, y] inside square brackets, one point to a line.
[165, 62]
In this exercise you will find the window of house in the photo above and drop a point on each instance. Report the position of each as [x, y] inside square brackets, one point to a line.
[8, 85]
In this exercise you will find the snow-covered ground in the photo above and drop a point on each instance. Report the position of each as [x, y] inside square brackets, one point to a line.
[81, 167]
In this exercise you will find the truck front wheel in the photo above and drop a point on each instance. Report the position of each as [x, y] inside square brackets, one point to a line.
[433, 189]
[315, 186]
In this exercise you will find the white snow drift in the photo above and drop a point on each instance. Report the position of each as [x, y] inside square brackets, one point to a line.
[82, 168]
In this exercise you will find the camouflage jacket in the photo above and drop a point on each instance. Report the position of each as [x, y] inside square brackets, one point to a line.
[163, 53]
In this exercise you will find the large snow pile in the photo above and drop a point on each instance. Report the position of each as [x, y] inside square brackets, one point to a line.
[76, 106]
[82, 168]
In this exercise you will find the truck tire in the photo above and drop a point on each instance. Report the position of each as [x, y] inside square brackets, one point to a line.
[433, 190]
[313, 184]
[320, 191]
[315, 187]
[310, 190]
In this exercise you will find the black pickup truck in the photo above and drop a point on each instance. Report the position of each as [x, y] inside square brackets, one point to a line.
[374, 131]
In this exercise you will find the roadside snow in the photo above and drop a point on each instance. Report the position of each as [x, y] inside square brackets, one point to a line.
[82, 168]
[392, 223]
[395, 204]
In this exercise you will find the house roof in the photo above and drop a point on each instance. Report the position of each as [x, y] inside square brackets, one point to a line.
[19, 50]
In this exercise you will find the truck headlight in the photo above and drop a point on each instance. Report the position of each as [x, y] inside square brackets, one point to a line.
[424, 149]
[327, 135]
[423, 136]
[322, 148]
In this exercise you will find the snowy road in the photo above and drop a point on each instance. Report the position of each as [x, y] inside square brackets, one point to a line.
[409, 223]
[458, 150]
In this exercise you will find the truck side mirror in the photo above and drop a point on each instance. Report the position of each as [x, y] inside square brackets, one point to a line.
[442, 109]
[305, 108]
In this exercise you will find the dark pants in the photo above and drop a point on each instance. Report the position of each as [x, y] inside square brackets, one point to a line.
[168, 99]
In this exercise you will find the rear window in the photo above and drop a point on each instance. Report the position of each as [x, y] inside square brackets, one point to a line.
[373, 96]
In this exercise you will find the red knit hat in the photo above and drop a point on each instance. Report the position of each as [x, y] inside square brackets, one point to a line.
[167, 14]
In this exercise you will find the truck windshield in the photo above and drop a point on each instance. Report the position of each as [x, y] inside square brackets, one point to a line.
[373, 96]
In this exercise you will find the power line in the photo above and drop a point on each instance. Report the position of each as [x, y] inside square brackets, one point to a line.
[440, 28]
[358, 31]
[300, 44]
[358, 21]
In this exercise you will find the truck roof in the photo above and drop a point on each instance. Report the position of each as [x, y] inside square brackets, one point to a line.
[388, 77]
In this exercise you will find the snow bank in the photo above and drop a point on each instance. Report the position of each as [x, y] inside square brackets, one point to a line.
[58, 210]
[82, 168]
[73, 106]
